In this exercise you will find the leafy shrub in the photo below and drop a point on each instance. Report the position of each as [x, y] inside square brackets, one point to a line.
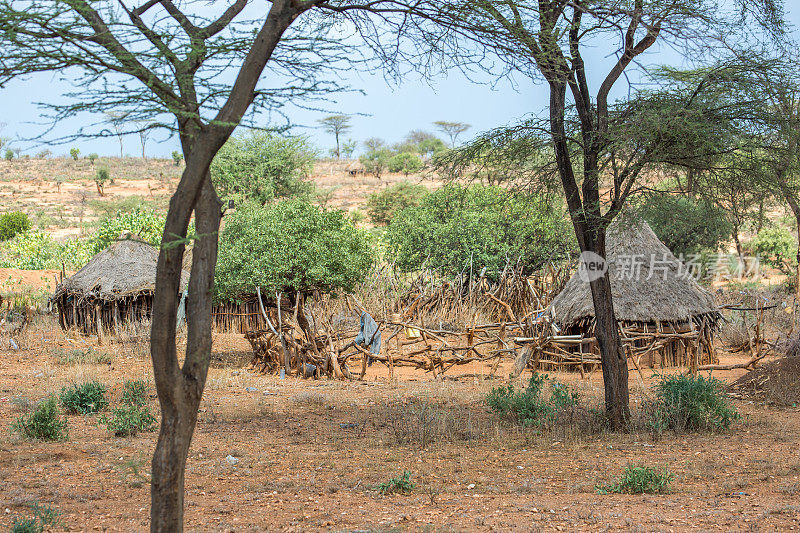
[456, 228]
[261, 166]
[74, 153]
[85, 398]
[100, 179]
[528, 407]
[177, 157]
[382, 206]
[134, 392]
[9, 155]
[290, 245]
[92, 158]
[142, 222]
[400, 484]
[129, 420]
[687, 226]
[35, 250]
[406, 163]
[376, 160]
[694, 403]
[775, 247]
[44, 518]
[12, 223]
[639, 480]
[44, 423]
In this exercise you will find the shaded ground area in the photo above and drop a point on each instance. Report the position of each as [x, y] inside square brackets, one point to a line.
[309, 455]
[776, 382]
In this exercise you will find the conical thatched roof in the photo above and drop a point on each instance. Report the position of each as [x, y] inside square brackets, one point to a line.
[648, 283]
[124, 268]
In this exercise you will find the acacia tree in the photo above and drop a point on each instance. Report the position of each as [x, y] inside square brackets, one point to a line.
[336, 125]
[592, 138]
[158, 60]
[452, 129]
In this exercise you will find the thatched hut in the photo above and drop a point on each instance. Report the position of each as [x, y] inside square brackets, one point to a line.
[115, 287]
[666, 318]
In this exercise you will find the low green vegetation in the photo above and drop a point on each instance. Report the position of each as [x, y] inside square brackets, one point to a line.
[128, 420]
[145, 223]
[36, 250]
[690, 403]
[290, 245]
[84, 398]
[383, 205]
[42, 519]
[177, 157]
[406, 163]
[134, 392]
[533, 406]
[12, 223]
[74, 153]
[639, 480]
[775, 247]
[401, 484]
[45, 423]
[459, 229]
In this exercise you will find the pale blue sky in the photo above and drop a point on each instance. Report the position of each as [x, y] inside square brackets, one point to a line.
[387, 111]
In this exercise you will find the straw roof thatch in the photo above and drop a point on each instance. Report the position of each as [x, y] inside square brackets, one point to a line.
[667, 294]
[124, 268]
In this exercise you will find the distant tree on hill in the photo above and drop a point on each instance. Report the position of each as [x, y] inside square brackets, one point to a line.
[336, 125]
[452, 129]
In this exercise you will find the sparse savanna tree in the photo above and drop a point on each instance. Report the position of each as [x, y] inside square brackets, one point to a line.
[452, 129]
[117, 121]
[199, 64]
[336, 125]
[591, 137]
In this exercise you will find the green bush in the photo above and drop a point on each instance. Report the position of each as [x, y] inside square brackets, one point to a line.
[9, 155]
[455, 229]
[775, 247]
[406, 163]
[382, 206]
[134, 392]
[400, 484]
[86, 398]
[45, 423]
[77, 356]
[693, 403]
[259, 167]
[142, 222]
[12, 223]
[685, 225]
[74, 153]
[177, 157]
[528, 406]
[129, 420]
[290, 245]
[376, 160]
[639, 480]
[36, 250]
[92, 158]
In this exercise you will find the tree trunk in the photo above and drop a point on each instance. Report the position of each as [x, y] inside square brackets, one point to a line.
[180, 389]
[739, 250]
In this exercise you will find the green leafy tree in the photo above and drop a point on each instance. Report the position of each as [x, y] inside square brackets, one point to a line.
[348, 147]
[92, 158]
[406, 163]
[382, 206]
[13, 222]
[376, 160]
[177, 157]
[686, 225]
[775, 247]
[452, 129]
[261, 166]
[146, 224]
[288, 246]
[9, 155]
[456, 228]
[336, 125]
[101, 177]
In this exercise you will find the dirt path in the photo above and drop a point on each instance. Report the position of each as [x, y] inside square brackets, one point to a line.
[309, 455]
